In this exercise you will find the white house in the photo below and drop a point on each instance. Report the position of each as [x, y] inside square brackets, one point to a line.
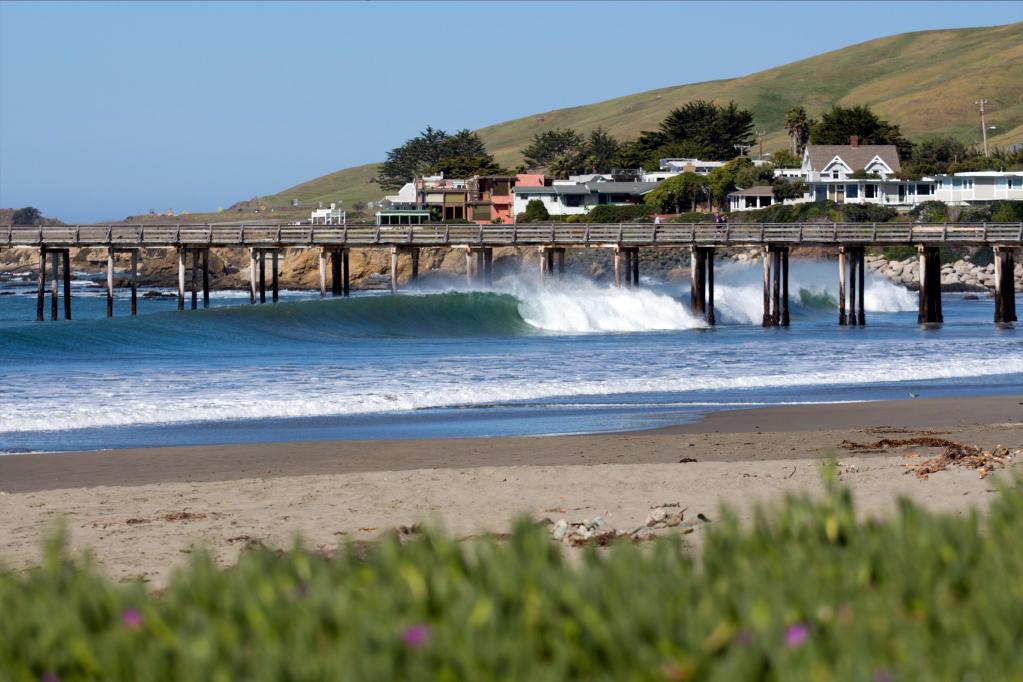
[978, 186]
[328, 216]
[566, 198]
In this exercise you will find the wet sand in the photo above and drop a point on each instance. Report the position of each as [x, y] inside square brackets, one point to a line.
[787, 432]
[142, 512]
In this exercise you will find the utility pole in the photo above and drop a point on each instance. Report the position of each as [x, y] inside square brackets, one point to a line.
[983, 125]
[760, 141]
[743, 148]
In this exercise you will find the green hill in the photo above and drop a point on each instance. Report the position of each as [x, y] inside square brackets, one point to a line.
[926, 82]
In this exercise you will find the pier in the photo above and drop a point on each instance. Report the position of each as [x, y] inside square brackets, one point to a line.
[192, 243]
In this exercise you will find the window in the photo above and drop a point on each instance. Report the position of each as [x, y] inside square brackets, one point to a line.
[968, 183]
[834, 174]
[870, 191]
[852, 191]
[1015, 183]
[925, 190]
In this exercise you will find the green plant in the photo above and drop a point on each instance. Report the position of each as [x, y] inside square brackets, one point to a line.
[802, 591]
[535, 211]
[609, 213]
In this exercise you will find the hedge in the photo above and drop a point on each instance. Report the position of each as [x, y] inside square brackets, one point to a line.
[803, 592]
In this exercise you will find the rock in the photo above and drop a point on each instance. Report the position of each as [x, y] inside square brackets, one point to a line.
[656, 516]
[559, 528]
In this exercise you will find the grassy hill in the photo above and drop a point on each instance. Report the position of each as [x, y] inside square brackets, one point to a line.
[926, 82]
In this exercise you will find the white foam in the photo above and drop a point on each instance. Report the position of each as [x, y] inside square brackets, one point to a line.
[234, 394]
[580, 307]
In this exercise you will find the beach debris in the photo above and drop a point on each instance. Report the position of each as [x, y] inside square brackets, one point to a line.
[183, 516]
[595, 530]
[958, 454]
[687, 460]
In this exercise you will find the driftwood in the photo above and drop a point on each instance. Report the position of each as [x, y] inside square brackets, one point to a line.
[959, 454]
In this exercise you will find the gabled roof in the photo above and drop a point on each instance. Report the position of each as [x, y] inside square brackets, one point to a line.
[758, 191]
[856, 158]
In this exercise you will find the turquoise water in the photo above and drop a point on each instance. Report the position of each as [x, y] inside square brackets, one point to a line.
[518, 359]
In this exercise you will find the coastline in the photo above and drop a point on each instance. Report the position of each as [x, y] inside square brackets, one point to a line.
[143, 512]
[761, 433]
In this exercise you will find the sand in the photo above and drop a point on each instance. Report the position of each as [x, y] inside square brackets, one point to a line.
[126, 505]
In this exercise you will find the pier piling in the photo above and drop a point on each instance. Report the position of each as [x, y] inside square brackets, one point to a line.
[276, 287]
[414, 253]
[66, 257]
[322, 260]
[1005, 287]
[785, 286]
[336, 285]
[205, 278]
[394, 269]
[41, 297]
[54, 263]
[930, 285]
[110, 282]
[852, 285]
[767, 287]
[841, 286]
[618, 267]
[710, 284]
[776, 290]
[861, 311]
[193, 281]
[134, 284]
[181, 278]
[262, 276]
[635, 267]
[346, 283]
[252, 276]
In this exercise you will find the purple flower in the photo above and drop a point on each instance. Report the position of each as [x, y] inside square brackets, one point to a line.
[132, 619]
[49, 676]
[796, 634]
[416, 636]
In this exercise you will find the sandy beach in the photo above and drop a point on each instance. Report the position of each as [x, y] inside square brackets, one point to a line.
[143, 511]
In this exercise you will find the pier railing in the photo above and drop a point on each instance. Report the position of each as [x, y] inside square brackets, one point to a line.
[531, 234]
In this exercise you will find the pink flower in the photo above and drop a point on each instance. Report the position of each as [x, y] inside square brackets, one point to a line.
[132, 619]
[795, 635]
[416, 636]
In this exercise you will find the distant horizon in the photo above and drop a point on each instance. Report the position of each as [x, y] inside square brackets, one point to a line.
[133, 107]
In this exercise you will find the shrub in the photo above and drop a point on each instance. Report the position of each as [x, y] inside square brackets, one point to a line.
[609, 213]
[805, 591]
[867, 213]
[535, 210]
[929, 211]
[809, 212]
[1007, 211]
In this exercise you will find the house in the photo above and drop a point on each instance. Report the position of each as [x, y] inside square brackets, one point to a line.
[846, 174]
[328, 216]
[750, 199]
[490, 199]
[577, 198]
[978, 186]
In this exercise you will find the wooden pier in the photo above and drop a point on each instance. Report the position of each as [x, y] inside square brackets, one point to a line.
[193, 242]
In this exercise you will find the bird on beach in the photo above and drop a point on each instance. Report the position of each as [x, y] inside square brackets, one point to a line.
[914, 396]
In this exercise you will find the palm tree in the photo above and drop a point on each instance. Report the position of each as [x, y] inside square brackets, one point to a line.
[562, 166]
[798, 124]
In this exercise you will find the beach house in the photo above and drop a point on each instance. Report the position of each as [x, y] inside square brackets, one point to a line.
[978, 187]
[569, 197]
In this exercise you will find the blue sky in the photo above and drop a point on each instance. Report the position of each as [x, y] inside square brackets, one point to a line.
[110, 109]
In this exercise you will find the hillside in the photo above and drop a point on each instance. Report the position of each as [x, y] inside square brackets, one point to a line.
[926, 82]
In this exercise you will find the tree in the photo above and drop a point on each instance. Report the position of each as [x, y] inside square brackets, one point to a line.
[564, 165]
[677, 194]
[934, 156]
[30, 215]
[786, 159]
[434, 151]
[535, 210]
[550, 144]
[839, 124]
[783, 188]
[601, 149]
[798, 123]
[710, 129]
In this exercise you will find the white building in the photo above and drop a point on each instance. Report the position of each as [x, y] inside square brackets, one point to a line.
[567, 198]
[978, 186]
[328, 216]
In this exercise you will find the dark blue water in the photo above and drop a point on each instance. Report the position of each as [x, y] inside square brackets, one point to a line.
[520, 359]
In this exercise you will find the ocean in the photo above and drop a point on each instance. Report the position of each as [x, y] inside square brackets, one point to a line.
[442, 360]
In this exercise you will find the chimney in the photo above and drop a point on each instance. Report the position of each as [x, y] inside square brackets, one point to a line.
[854, 141]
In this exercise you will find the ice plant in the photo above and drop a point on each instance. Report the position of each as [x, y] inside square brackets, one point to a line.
[132, 619]
[416, 636]
[796, 634]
